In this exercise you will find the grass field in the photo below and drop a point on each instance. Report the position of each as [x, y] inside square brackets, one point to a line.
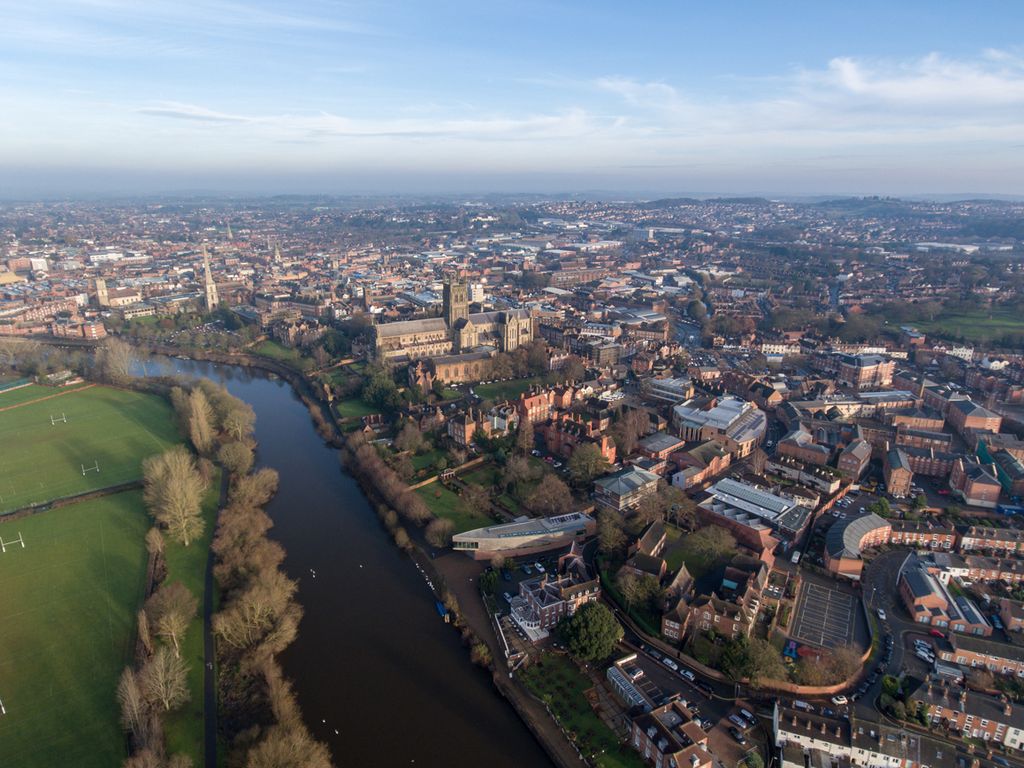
[977, 325]
[68, 602]
[113, 427]
[444, 503]
[354, 408]
[283, 354]
[504, 390]
[678, 551]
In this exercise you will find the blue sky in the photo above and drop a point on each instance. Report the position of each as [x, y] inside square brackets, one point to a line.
[675, 97]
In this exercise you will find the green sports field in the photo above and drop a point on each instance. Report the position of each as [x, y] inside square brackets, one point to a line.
[68, 605]
[41, 461]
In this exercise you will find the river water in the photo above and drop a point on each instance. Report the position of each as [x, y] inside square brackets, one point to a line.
[380, 678]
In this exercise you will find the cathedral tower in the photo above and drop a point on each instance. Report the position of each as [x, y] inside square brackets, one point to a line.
[212, 300]
[455, 299]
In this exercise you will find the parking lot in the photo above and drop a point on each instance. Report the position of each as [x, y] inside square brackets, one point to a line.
[824, 616]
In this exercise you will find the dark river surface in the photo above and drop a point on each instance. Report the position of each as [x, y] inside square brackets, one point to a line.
[380, 678]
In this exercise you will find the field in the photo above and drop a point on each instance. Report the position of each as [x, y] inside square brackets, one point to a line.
[113, 427]
[354, 408]
[69, 602]
[282, 354]
[504, 390]
[975, 326]
[444, 503]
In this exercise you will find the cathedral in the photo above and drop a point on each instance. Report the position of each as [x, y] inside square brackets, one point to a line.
[455, 337]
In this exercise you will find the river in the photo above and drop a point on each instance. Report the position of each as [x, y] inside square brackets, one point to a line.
[380, 678]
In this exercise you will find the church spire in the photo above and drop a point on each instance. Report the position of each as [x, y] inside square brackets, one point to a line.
[212, 300]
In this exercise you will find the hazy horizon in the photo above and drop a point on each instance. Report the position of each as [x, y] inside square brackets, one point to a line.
[111, 97]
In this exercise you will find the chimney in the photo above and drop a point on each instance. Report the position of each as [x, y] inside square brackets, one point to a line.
[1007, 708]
[839, 731]
[794, 719]
[822, 727]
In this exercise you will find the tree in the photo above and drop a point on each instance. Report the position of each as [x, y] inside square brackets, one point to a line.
[586, 463]
[164, 680]
[524, 437]
[439, 532]
[475, 500]
[631, 426]
[758, 460]
[844, 663]
[754, 760]
[610, 536]
[409, 438]
[254, 490]
[288, 746]
[134, 709]
[380, 391]
[170, 610]
[763, 662]
[516, 472]
[680, 508]
[240, 420]
[114, 361]
[696, 310]
[638, 590]
[920, 502]
[651, 508]
[144, 634]
[550, 497]
[173, 492]
[154, 542]
[591, 633]
[712, 542]
[200, 420]
[236, 457]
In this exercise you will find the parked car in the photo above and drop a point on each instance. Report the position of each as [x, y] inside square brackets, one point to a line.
[739, 722]
[508, 596]
[527, 570]
[839, 700]
[506, 574]
[670, 664]
[935, 633]
[539, 567]
[703, 687]
[996, 622]
[737, 734]
[804, 706]
[747, 715]
[688, 675]
[881, 613]
[654, 654]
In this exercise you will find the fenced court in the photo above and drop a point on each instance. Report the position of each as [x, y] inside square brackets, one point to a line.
[68, 606]
[824, 617]
[58, 443]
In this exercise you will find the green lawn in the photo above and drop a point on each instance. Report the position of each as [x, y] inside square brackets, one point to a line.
[184, 727]
[486, 475]
[354, 408]
[558, 682]
[977, 325]
[505, 390]
[678, 551]
[69, 600]
[113, 427]
[32, 392]
[283, 354]
[444, 503]
[425, 460]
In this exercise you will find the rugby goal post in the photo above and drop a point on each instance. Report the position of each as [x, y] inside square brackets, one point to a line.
[94, 468]
[62, 419]
[5, 544]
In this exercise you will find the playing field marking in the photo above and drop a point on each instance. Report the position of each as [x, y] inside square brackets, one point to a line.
[5, 544]
[824, 615]
[48, 397]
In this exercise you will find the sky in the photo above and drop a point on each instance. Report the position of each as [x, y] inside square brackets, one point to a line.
[652, 98]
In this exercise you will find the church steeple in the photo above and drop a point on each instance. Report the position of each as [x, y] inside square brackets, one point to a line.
[229, 234]
[212, 300]
[455, 300]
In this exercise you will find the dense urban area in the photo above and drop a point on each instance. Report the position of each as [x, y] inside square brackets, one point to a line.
[701, 483]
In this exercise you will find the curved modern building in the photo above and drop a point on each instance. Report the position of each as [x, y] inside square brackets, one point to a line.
[525, 537]
[845, 540]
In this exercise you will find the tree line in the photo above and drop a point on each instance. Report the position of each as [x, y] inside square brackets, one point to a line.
[259, 717]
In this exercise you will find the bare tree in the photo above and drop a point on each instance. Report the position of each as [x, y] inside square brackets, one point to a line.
[179, 761]
[174, 493]
[171, 609]
[475, 499]
[13, 349]
[246, 620]
[550, 497]
[256, 489]
[439, 532]
[154, 542]
[200, 421]
[586, 463]
[132, 702]
[758, 460]
[164, 680]
[517, 471]
[288, 746]
[114, 361]
[236, 457]
[145, 758]
[144, 634]
[524, 437]
[240, 420]
[409, 438]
